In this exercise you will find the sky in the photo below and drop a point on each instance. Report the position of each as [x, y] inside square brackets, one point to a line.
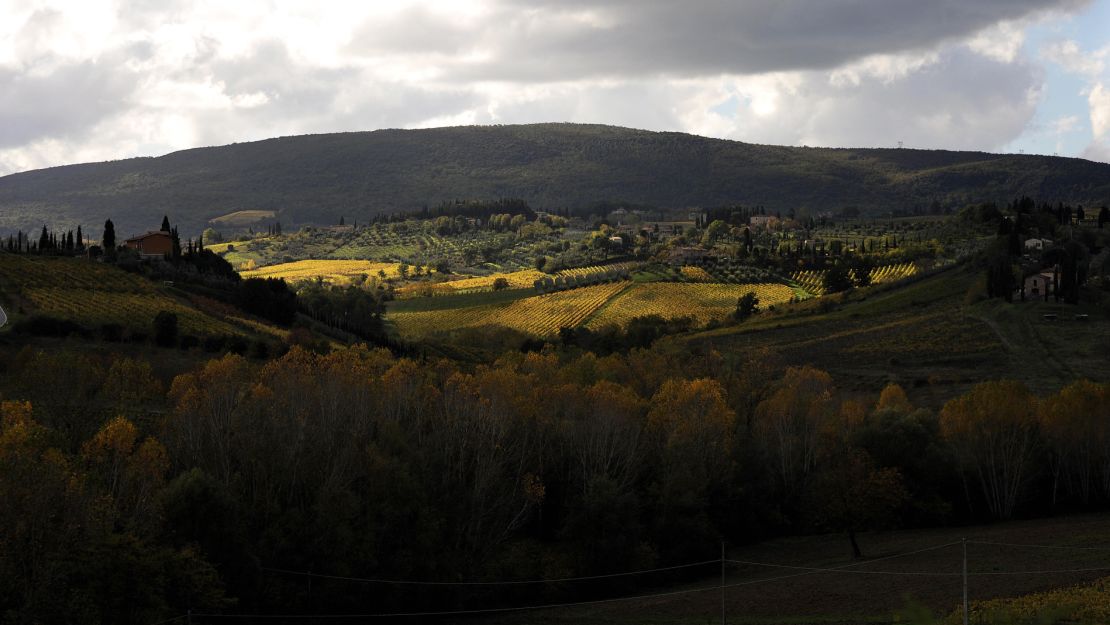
[97, 80]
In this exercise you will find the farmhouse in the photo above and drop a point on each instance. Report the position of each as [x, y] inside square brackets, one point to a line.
[1039, 286]
[152, 244]
[685, 255]
[763, 221]
[1037, 244]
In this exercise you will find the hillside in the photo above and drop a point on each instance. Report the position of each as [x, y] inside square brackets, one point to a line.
[107, 303]
[929, 336]
[319, 178]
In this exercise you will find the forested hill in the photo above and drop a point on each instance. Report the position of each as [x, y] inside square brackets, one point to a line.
[319, 178]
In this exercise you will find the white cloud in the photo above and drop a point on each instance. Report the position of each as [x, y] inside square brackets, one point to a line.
[107, 79]
[1099, 101]
[1001, 42]
[1068, 55]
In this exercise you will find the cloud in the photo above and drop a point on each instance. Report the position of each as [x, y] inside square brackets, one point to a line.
[1092, 67]
[116, 78]
[1099, 102]
[566, 40]
[66, 102]
[1068, 55]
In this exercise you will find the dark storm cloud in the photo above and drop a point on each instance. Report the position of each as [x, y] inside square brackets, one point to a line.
[537, 41]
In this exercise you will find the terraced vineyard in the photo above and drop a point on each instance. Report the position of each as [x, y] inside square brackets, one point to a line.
[672, 300]
[92, 295]
[334, 271]
[814, 281]
[599, 269]
[892, 273]
[540, 315]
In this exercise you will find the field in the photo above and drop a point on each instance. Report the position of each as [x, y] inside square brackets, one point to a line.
[242, 218]
[671, 300]
[538, 315]
[92, 294]
[334, 271]
[877, 589]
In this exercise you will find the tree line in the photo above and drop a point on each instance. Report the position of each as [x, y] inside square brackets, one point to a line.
[186, 491]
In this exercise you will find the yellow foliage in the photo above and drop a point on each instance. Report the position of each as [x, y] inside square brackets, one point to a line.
[893, 398]
[1088, 604]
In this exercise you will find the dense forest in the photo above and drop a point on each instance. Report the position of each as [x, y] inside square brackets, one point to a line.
[319, 179]
[132, 496]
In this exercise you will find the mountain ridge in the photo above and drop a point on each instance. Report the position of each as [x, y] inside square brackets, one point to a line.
[316, 179]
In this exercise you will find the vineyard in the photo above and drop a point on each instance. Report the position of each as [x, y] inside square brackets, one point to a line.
[334, 271]
[516, 280]
[671, 300]
[696, 274]
[92, 295]
[415, 242]
[540, 315]
[814, 281]
[593, 270]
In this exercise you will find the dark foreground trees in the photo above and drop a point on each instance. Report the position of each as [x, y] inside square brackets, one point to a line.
[546, 464]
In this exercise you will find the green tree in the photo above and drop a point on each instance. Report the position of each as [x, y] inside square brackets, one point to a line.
[746, 306]
[837, 279]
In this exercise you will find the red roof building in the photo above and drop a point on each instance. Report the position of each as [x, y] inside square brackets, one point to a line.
[157, 243]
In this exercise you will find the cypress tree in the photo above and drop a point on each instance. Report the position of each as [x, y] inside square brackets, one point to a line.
[165, 223]
[80, 246]
[175, 254]
[109, 239]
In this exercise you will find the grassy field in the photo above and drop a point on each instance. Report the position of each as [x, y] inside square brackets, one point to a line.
[875, 590]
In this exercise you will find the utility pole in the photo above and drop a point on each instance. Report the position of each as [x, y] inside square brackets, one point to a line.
[722, 582]
[965, 580]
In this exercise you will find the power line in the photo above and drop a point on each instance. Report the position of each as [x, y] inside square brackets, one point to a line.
[475, 611]
[489, 583]
[987, 542]
[511, 609]
[841, 569]
[804, 571]
[1041, 572]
